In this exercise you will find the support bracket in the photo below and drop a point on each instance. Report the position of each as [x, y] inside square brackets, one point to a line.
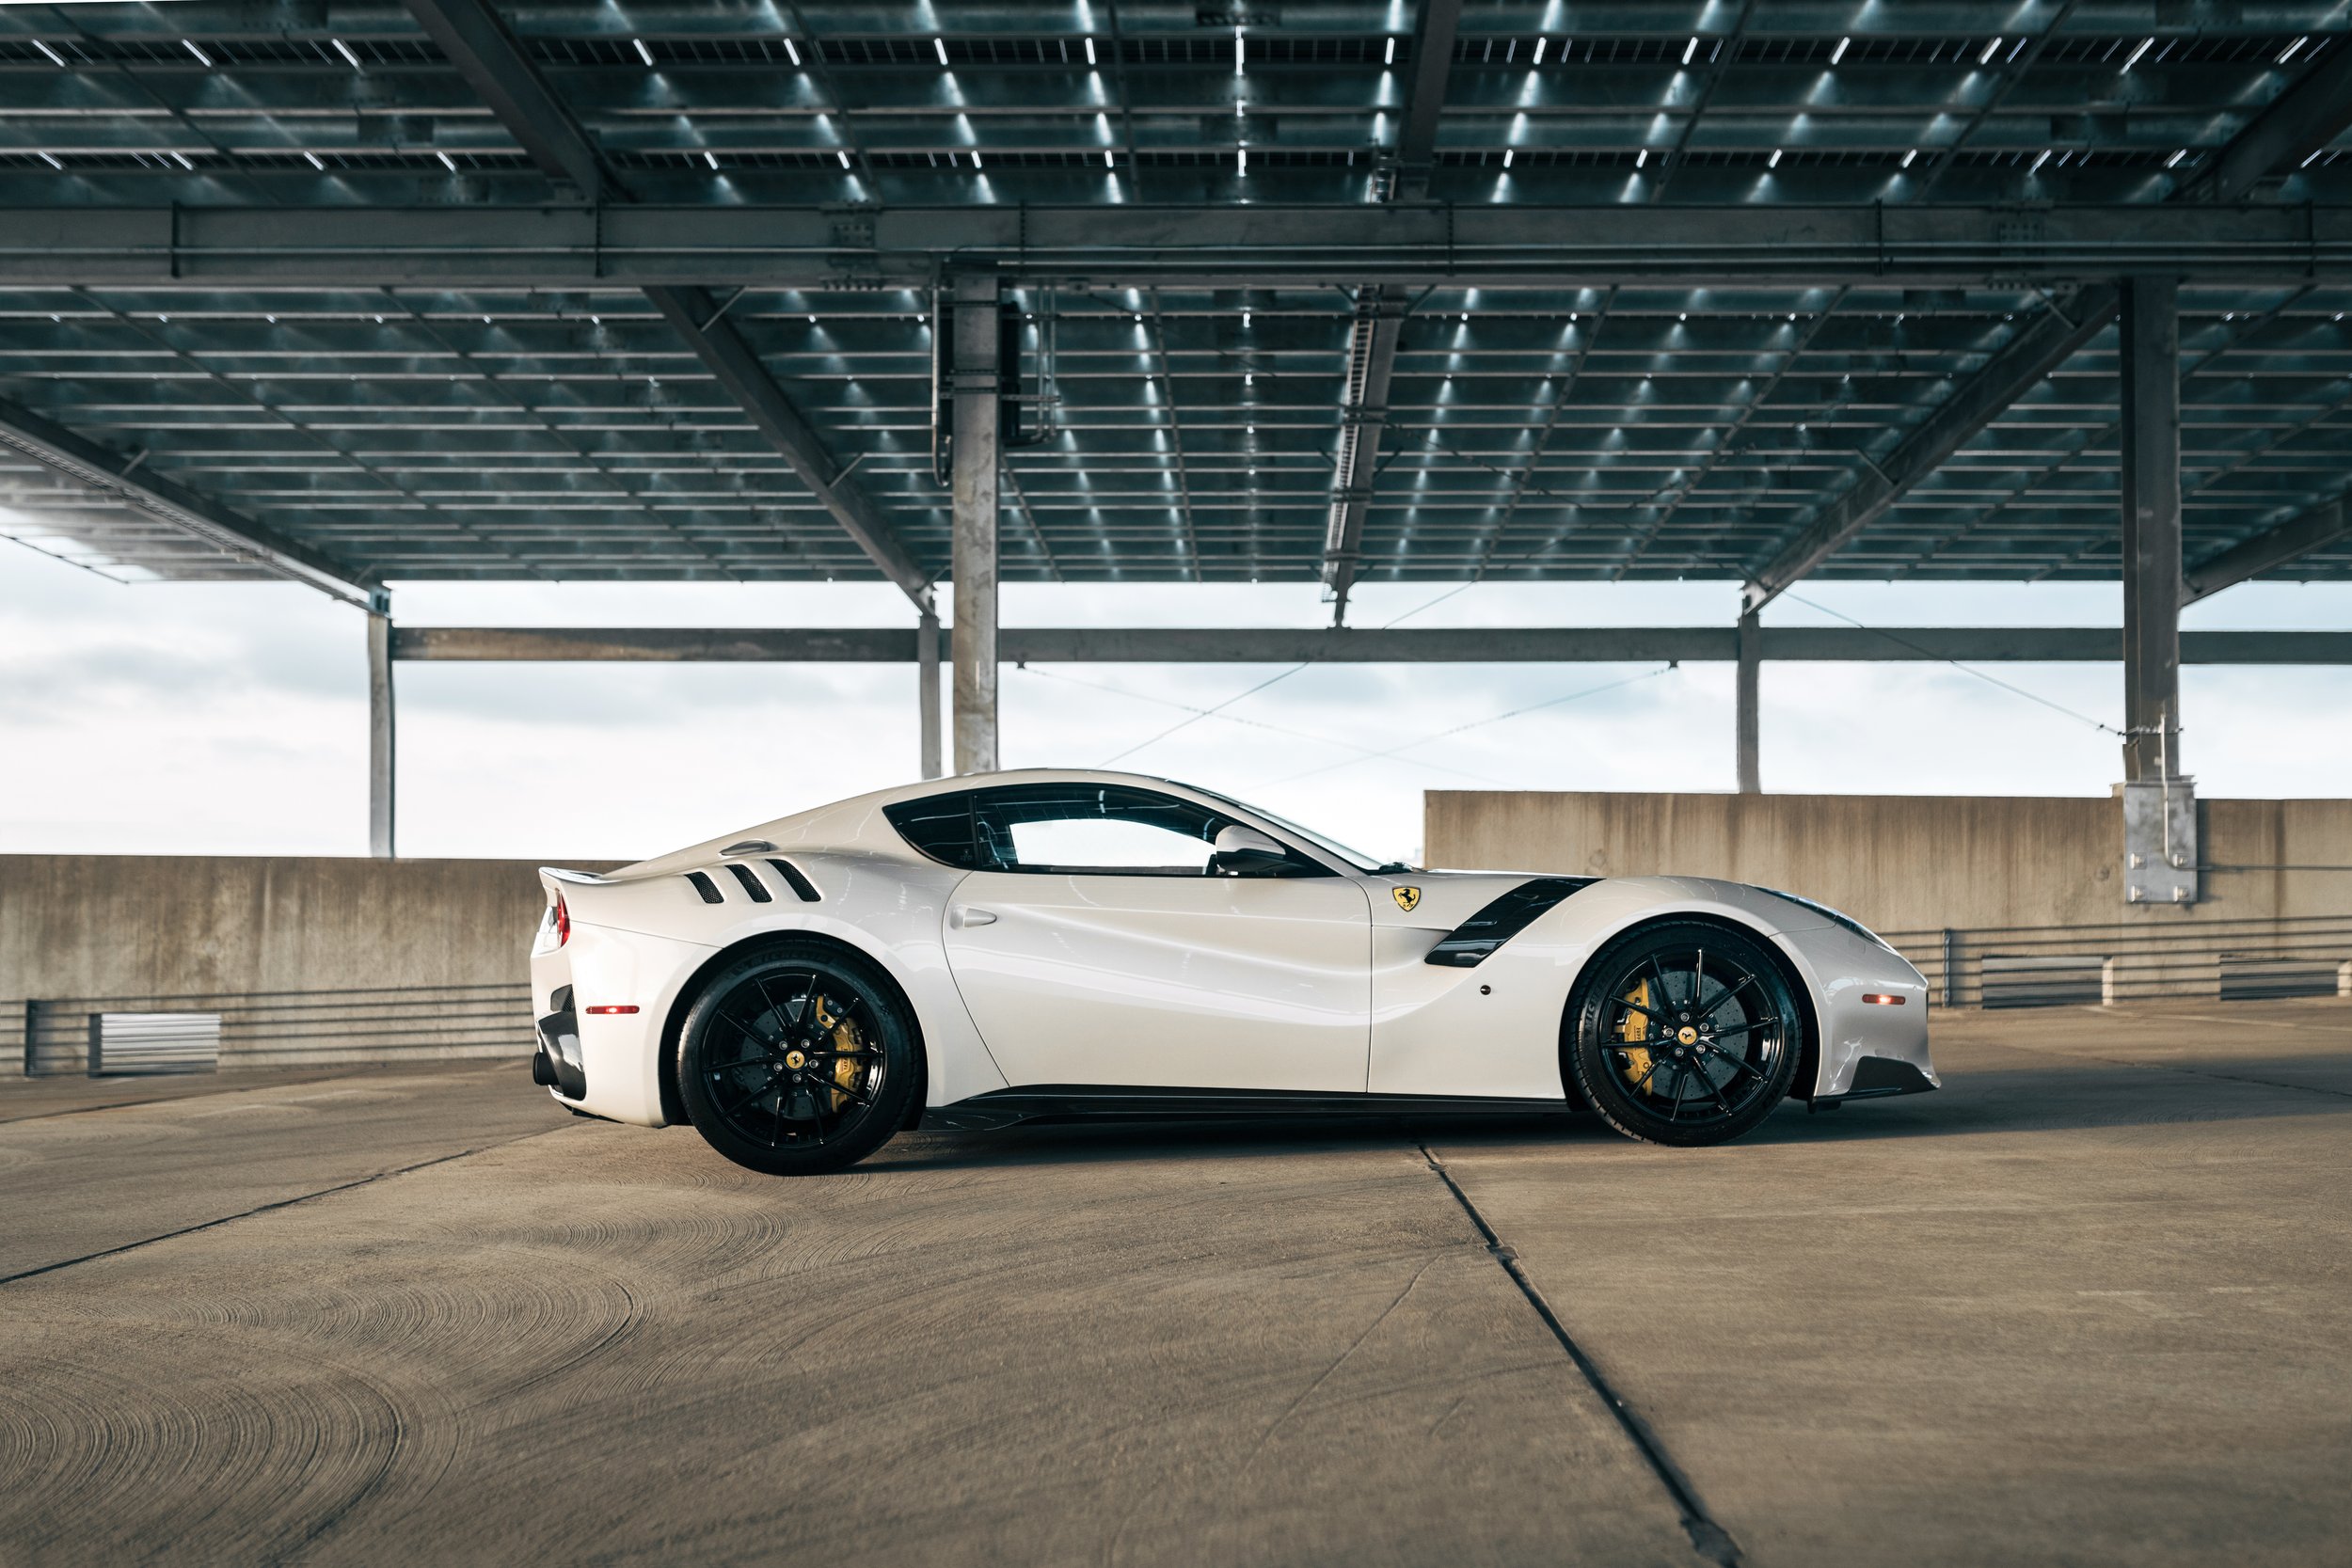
[2160, 842]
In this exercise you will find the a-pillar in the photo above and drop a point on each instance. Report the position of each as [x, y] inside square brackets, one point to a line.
[927, 688]
[2152, 529]
[1745, 692]
[380, 799]
[974, 563]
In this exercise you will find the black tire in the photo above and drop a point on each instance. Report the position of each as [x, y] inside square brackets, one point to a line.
[1684, 1033]
[797, 1060]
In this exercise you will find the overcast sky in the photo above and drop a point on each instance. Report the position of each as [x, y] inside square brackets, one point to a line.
[232, 719]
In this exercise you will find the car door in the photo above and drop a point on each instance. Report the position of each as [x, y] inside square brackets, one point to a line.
[1097, 945]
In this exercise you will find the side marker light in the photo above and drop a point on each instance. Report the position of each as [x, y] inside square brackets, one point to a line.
[1878, 999]
[620, 1008]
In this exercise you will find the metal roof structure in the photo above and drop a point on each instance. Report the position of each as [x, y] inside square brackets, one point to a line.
[1307, 289]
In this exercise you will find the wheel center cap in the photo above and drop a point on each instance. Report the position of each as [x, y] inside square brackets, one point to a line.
[1687, 1034]
[795, 1060]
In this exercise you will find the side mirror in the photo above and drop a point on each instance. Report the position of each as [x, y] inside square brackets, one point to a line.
[1242, 852]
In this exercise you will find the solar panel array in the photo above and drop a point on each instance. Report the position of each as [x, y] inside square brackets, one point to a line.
[1635, 431]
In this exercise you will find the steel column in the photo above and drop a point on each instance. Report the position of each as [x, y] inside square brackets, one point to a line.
[926, 690]
[380, 717]
[1751, 668]
[974, 562]
[2152, 529]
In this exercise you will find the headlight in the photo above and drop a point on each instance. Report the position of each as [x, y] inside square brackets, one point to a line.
[1849, 922]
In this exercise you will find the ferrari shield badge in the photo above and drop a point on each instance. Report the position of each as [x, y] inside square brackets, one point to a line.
[1405, 898]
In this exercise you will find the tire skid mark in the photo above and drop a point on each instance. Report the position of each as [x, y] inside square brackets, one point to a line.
[1708, 1538]
[267, 1207]
[252, 1459]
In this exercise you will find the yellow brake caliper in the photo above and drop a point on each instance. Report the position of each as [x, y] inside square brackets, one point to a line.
[1636, 1027]
[845, 1039]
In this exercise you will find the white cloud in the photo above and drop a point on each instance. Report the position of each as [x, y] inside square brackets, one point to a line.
[219, 717]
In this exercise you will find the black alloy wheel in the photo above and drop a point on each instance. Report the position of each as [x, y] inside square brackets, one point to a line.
[1684, 1034]
[797, 1060]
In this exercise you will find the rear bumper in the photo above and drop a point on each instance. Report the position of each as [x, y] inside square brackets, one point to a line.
[558, 1063]
[611, 1066]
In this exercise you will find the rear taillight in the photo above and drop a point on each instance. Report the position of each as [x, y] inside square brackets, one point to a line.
[563, 922]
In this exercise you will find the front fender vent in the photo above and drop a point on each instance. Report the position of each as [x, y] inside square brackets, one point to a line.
[709, 889]
[752, 884]
[1469, 943]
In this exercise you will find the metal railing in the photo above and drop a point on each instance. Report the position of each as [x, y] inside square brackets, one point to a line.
[296, 1028]
[2011, 966]
[2222, 960]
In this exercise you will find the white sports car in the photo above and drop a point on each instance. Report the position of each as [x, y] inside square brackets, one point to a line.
[978, 951]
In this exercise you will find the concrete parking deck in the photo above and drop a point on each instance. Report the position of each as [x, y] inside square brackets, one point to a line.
[2090, 1304]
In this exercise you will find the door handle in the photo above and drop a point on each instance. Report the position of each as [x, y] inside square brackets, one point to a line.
[964, 915]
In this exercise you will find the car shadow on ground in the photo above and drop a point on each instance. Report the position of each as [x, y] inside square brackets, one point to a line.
[2051, 1096]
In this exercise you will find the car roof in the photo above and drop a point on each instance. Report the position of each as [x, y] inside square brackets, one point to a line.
[858, 824]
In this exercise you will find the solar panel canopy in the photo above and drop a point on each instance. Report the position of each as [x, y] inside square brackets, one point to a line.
[1573, 415]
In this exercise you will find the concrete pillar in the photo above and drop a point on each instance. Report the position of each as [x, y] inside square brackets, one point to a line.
[1749, 680]
[927, 688]
[380, 725]
[2152, 529]
[974, 563]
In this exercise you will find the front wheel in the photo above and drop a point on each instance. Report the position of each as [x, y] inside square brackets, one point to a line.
[1684, 1034]
[797, 1060]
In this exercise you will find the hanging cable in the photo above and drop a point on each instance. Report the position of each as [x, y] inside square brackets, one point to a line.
[1203, 713]
[1253, 723]
[1475, 724]
[1966, 669]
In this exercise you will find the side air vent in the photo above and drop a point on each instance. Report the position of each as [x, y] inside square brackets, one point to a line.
[709, 889]
[1469, 943]
[752, 884]
[798, 883]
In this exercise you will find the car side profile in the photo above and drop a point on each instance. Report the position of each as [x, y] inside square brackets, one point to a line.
[974, 952]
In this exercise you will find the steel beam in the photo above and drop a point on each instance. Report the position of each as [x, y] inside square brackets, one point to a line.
[2312, 113]
[1400, 645]
[478, 45]
[2152, 529]
[2321, 526]
[380, 728]
[978, 405]
[487, 54]
[1434, 30]
[1380, 308]
[690, 313]
[109, 473]
[2015, 369]
[1747, 690]
[558, 247]
[1371, 366]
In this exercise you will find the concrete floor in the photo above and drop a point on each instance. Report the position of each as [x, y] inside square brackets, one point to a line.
[2090, 1304]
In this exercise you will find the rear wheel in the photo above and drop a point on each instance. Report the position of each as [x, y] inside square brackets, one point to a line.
[1684, 1034]
[797, 1060]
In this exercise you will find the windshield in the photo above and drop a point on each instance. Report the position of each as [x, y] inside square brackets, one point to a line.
[1337, 850]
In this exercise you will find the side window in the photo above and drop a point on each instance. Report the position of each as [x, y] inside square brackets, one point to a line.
[1074, 827]
[1097, 828]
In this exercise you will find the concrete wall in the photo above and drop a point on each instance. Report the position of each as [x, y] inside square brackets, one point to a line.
[1904, 862]
[119, 925]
